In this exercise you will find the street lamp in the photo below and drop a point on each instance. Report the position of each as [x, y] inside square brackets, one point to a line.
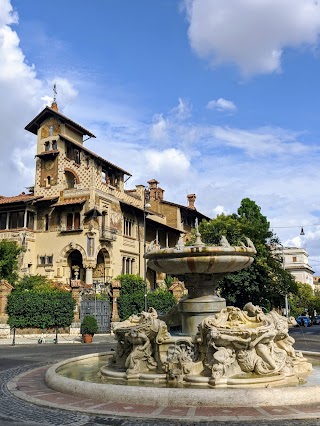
[95, 283]
[146, 205]
[284, 268]
[286, 295]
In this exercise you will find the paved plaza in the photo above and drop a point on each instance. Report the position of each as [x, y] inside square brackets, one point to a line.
[22, 369]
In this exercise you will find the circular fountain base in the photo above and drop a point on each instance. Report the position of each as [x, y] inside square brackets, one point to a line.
[182, 397]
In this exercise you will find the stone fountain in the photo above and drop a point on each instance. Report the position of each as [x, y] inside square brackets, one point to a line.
[220, 346]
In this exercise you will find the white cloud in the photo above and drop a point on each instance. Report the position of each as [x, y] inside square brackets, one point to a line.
[172, 160]
[260, 142]
[66, 91]
[219, 210]
[221, 105]
[182, 111]
[159, 127]
[252, 34]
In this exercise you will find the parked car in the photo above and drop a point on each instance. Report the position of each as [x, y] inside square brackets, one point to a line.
[303, 321]
[316, 320]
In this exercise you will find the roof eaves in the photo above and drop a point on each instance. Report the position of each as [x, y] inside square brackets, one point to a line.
[94, 154]
[47, 111]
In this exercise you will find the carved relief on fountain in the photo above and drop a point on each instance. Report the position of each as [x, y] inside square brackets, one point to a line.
[235, 342]
[138, 339]
[232, 347]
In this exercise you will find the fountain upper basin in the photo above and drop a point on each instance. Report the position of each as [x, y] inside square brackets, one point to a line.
[201, 260]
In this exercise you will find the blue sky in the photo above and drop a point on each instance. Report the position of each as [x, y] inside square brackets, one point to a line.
[213, 97]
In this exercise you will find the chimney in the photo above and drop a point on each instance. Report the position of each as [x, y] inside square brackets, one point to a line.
[54, 106]
[191, 201]
[156, 193]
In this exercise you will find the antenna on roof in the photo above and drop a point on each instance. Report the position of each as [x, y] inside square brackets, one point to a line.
[54, 102]
[54, 92]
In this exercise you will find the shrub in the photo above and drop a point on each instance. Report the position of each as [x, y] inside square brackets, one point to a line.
[35, 283]
[40, 309]
[89, 325]
[161, 300]
[131, 299]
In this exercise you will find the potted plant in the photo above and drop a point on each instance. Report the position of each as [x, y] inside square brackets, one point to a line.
[89, 327]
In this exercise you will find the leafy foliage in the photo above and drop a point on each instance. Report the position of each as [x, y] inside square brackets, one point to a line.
[9, 252]
[304, 301]
[38, 283]
[89, 325]
[265, 282]
[40, 309]
[131, 299]
[161, 300]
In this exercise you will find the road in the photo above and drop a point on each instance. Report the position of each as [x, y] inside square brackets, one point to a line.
[19, 358]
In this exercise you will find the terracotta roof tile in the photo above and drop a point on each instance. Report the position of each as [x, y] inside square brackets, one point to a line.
[21, 198]
[69, 202]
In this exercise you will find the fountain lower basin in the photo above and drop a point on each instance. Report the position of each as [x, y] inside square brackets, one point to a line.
[80, 384]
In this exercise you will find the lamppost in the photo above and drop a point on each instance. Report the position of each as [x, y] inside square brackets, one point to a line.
[95, 283]
[146, 204]
[286, 295]
[284, 268]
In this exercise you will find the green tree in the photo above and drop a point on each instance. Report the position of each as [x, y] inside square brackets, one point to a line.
[9, 252]
[265, 282]
[304, 301]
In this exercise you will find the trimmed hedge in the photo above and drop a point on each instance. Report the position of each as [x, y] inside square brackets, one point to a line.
[131, 299]
[40, 309]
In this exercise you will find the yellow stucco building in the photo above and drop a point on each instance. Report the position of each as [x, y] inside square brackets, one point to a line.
[78, 224]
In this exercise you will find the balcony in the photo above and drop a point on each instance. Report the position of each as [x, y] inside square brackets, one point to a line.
[107, 234]
[70, 229]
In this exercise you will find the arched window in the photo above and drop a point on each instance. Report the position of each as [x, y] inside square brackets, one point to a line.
[70, 179]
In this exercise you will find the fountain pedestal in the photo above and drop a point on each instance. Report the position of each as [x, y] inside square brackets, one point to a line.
[202, 301]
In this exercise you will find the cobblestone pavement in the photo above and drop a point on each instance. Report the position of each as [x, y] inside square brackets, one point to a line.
[22, 413]
[17, 412]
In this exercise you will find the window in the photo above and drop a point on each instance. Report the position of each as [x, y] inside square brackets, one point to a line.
[76, 221]
[73, 221]
[3, 221]
[54, 144]
[70, 221]
[294, 258]
[76, 156]
[48, 181]
[109, 176]
[45, 259]
[128, 227]
[73, 154]
[128, 265]
[30, 220]
[70, 180]
[47, 146]
[16, 220]
[46, 222]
